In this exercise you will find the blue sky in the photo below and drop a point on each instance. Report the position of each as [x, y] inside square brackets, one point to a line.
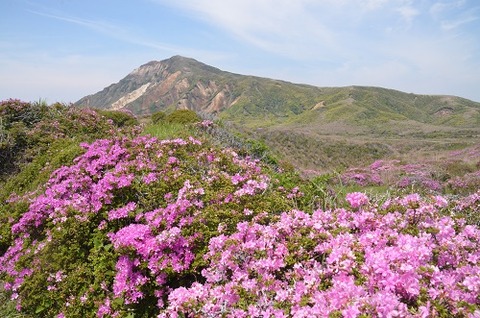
[62, 50]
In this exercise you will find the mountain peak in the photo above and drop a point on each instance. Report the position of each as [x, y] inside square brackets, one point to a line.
[184, 83]
[176, 82]
[181, 59]
[174, 64]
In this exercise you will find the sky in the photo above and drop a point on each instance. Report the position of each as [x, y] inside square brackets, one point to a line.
[63, 50]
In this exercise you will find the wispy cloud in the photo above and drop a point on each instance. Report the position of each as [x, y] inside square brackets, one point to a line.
[461, 19]
[111, 30]
[408, 13]
[440, 7]
[453, 24]
[99, 26]
[454, 14]
[273, 25]
[125, 34]
[302, 28]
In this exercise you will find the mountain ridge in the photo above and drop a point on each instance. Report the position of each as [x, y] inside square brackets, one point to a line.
[312, 127]
[185, 83]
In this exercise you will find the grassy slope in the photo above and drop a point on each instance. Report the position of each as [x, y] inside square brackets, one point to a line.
[355, 125]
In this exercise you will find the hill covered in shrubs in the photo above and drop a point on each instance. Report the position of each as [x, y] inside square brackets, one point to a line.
[106, 220]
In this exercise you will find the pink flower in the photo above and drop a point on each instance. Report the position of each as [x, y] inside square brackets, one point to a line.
[357, 199]
[121, 212]
[104, 309]
[440, 201]
[206, 123]
[150, 178]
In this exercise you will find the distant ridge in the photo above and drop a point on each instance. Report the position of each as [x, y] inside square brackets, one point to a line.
[308, 125]
[184, 83]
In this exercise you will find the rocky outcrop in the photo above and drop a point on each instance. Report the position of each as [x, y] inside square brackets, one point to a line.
[178, 82]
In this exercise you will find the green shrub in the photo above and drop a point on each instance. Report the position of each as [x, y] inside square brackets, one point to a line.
[158, 117]
[119, 118]
[258, 149]
[183, 116]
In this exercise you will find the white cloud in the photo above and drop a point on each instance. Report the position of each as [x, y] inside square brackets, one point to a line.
[285, 27]
[454, 14]
[408, 13]
[301, 29]
[440, 7]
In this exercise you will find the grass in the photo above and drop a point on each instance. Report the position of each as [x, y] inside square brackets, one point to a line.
[309, 152]
[165, 130]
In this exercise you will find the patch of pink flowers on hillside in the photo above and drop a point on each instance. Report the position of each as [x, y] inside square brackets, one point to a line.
[399, 259]
[340, 262]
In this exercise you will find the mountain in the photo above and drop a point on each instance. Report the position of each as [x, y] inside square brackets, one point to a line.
[177, 82]
[184, 83]
[309, 125]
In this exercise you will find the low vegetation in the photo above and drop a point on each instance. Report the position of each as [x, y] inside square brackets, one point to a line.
[188, 218]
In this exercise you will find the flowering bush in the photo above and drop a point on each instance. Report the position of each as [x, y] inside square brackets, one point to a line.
[466, 183]
[458, 177]
[398, 260]
[141, 227]
[468, 207]
[127, 223]
[29, 129]
[357, 199]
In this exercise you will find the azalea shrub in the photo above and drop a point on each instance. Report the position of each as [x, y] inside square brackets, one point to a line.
[400, 259]
[142, 227]
[29, 129]
[127, 223]
[453, 176]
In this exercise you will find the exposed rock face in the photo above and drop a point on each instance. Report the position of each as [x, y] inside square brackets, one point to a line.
[178, 82]
[130, 97]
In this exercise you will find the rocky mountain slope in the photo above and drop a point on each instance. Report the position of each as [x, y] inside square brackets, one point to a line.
[308, 125]
[179, 83]
[184, 83]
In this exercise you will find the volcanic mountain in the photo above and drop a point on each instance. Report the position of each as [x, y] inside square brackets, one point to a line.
[178, 83]
[184, 83]
[308, 124]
